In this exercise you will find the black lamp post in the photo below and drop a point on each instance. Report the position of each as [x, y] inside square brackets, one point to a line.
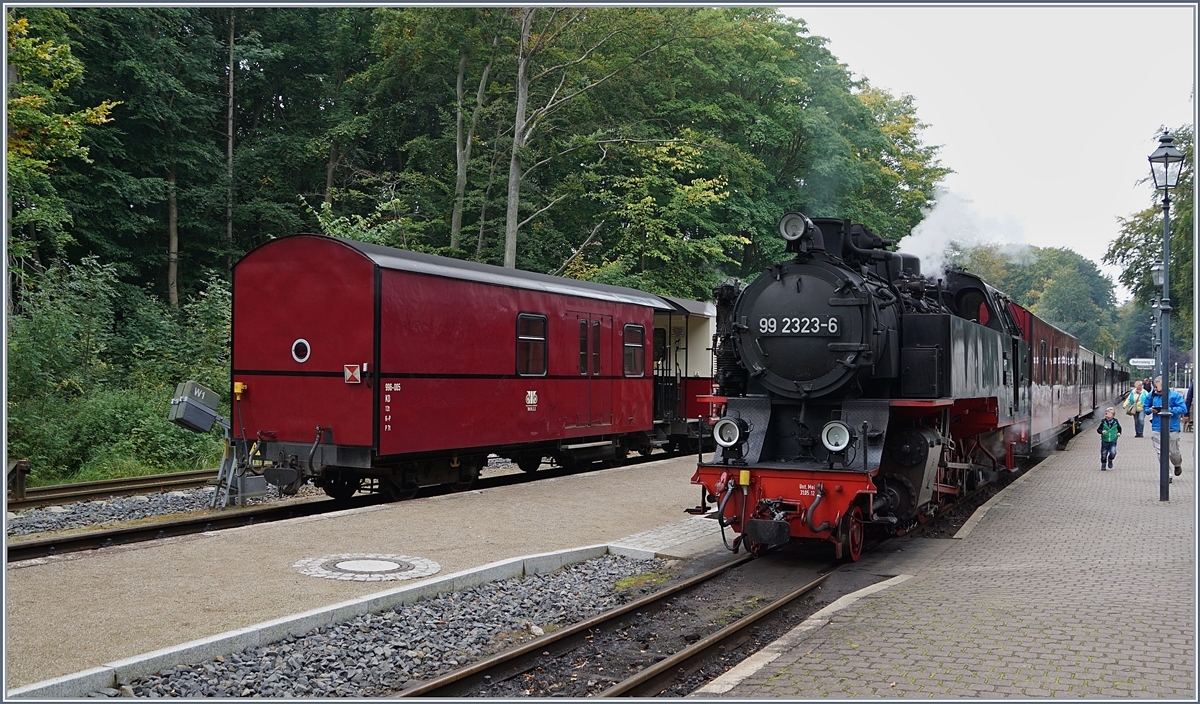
[1165, 165]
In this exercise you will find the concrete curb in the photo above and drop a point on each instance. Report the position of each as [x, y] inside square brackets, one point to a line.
[80, 684]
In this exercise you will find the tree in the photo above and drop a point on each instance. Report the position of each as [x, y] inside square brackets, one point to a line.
[1061, 305]
[1138, 246]
[160, 165]
[40, 134]
[899, 171]
[565, 58]
[1058, 284]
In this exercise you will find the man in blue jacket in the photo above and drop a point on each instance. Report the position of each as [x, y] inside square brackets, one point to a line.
[1178, 408]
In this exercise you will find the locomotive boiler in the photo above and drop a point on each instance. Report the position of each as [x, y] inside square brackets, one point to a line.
[857, 392]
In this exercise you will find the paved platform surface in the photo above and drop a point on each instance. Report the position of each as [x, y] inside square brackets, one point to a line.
[79, 611]
[1074, 583]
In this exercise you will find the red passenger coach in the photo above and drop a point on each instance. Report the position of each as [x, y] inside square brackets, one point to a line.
[367, 367]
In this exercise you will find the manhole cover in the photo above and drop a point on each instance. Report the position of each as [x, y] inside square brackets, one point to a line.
[367, 568]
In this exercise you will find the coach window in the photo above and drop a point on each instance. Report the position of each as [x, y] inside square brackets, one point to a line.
[635, 350]
[531, 345]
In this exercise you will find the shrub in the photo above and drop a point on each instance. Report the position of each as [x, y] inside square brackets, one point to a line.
[92, 368]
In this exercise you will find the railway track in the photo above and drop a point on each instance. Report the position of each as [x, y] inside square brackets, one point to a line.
[558, 653]
[36, 497]
[56, 544]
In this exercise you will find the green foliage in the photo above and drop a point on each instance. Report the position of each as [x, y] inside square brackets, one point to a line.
[165, 65]
[40, 133]
[390, 225]
[1133, 331]
[666, 240]
[665, 145]
[1057, 284]
[93, 366]
[58, 339]
[1138, 247]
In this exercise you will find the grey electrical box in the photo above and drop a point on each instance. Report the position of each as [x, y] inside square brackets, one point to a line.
[250, 486]
[194, 407]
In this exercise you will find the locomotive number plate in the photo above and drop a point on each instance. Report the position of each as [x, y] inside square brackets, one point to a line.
[830, 326]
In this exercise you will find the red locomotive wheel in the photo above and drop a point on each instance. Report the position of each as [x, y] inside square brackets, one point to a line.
[852, 534]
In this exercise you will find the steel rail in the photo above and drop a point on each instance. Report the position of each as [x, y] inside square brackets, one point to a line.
[232, 518]
[655, 678]
[36, 497]
[517, 660]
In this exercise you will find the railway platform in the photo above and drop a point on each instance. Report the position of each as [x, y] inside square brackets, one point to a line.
[74, 619]
[1071, 582]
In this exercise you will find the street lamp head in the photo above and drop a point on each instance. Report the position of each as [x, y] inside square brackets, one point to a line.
[1165, 163]
[1156, 272]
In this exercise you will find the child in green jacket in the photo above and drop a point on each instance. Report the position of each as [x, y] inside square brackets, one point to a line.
[1109, 430]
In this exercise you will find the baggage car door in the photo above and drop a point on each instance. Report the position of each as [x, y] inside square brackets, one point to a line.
[605, 367]
[593, 402]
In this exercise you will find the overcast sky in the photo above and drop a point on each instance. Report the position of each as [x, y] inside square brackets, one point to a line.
[1046, 114]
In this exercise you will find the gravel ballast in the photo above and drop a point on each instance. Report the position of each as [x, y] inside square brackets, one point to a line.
[118, 509]
[380, 653]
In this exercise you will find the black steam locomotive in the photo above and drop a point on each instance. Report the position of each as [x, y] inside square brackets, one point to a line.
[857, 391]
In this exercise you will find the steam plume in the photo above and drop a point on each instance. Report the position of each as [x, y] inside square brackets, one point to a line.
[953, 222]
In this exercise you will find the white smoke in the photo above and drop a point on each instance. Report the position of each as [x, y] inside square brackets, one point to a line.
[955, 224]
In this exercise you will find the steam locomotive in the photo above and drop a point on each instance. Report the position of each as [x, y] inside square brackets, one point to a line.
[853, 391]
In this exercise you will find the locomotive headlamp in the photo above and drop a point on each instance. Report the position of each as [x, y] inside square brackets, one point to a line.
[793, 226]
[836, 436]
[728, 432]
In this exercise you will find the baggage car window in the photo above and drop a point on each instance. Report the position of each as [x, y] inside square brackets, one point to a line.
[635, 350]
[531, 345]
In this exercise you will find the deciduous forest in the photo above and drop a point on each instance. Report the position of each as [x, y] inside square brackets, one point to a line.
[656, 148]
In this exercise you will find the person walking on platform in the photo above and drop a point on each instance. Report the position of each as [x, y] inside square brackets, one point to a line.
[1109, 430]
[1187, 417]
[1178, 407]
[1135, 405]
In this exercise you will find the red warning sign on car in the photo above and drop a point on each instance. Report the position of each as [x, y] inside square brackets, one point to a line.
[353, 376]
